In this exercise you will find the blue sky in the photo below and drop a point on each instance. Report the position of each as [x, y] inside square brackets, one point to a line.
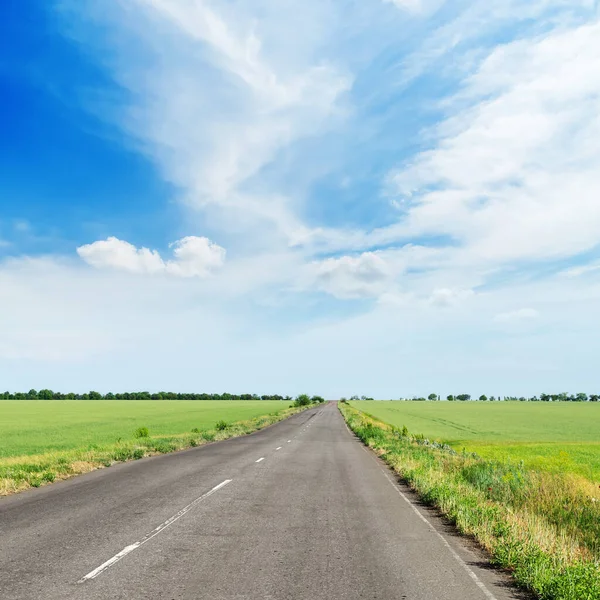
[390, 197]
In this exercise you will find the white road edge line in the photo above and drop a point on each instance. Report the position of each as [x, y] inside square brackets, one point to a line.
[263, 458]
[289, 441]
[280, 447]
[455, 554]
[128, 549]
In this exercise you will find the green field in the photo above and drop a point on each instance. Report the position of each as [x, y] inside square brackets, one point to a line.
[31, 427]
[556, 437]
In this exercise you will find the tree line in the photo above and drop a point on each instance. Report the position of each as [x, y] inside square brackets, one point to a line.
[564, 397]
[46, 394]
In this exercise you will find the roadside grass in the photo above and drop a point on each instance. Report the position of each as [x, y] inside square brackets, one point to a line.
[542, 526]
[18, 473]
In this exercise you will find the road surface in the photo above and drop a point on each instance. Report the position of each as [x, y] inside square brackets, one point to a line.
[300, 510]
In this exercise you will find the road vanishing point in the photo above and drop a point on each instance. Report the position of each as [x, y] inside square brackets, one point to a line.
[300, 510]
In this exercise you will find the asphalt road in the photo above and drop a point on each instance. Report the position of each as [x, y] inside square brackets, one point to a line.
[318, 517]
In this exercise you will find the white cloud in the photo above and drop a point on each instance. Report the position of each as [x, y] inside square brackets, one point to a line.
[117, 254]
[226, 94]
[516, 316]
[360, 276]
[194, 257]
[461, 41]
[514, 175]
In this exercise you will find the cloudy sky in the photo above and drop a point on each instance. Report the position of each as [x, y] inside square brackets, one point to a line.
[381, 197]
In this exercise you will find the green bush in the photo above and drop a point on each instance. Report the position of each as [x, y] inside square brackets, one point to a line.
[221, 425]
[302, 400]
[141, 432]
[138, 453]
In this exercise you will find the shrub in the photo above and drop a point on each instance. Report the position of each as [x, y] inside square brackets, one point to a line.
[302, 400]
[221, 425]
[141, 432]
[195, 430]
[208, 436]
[138, 453]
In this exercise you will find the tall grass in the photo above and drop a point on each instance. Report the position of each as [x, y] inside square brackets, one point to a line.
[21, 472]
[543, 527]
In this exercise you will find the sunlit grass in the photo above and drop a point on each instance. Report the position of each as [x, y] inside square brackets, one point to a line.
[561, 457]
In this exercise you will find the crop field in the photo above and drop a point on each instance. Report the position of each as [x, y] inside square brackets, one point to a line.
[556, 437]
[30, 427]
[47, 440]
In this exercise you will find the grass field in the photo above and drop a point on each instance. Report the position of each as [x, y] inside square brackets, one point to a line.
[42, 441]
[556, 437]
[29, 427]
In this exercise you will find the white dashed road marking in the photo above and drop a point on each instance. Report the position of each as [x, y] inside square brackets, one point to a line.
[128, 549]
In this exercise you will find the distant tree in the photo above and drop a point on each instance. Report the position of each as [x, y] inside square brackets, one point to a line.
[94, 395]
[450, 398]
[317, 399]
[45, 395]
[545, 398]
[32, 394]
[483, 398]
[302, 400]
[432, 397]
[594, 398]
[463, 397]
[581, 397]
